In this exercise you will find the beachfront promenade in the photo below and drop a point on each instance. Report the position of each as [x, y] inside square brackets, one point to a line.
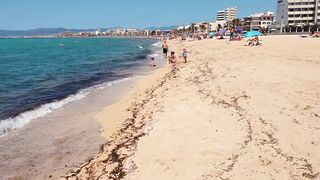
[232, 112]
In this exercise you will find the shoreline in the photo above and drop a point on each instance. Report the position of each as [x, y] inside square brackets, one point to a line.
[225, 114]
[53, 144]
[62, 139]
[117, 123]
[25, 117]
[57, 37]
[49, 146]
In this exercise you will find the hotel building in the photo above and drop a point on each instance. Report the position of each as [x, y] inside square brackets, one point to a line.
[259, 21]
[227, 14]
[298, 12]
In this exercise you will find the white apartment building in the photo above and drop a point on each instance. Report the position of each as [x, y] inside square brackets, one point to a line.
[227, 14]
[298, 12]
[259, 21]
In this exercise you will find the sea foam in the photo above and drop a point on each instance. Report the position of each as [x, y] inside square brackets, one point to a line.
[157, 44]
[24, 118]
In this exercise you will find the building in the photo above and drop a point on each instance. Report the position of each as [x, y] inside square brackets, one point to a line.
[259, 21]
[298, 12]
[227, 14]
[202, 26]
[97, 33]
[214, 25]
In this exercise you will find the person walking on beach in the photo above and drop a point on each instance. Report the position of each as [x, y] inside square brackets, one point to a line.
[185, 55]
[165, 48]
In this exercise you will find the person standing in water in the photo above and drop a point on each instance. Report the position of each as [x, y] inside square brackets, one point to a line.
[152, 62]
[165, 48]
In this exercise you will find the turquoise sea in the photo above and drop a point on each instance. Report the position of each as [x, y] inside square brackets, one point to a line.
[40, 75]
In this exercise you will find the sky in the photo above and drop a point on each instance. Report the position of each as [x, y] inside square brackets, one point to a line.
[83, 14]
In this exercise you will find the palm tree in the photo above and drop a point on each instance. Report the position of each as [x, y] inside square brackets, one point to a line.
[202, 27]
[315, 27]
[236, 22]
[189, 29]
[196, 29]
[193, 28]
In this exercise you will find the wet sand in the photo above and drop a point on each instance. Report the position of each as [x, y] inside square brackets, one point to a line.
[232, 112]
[51, 146]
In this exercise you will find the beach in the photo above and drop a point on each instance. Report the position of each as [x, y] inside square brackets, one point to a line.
[231, 112]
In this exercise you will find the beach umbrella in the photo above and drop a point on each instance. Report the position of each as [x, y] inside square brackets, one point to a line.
[212, 34]
[252, 34]
[222, 31]
[238, 30]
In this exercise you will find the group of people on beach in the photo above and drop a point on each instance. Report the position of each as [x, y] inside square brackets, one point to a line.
[254, 41]
[171, 57]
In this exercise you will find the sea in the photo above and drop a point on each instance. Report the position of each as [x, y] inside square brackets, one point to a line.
[38, 76]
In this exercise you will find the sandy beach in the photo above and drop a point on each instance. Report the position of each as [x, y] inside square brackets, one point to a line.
[232, 112]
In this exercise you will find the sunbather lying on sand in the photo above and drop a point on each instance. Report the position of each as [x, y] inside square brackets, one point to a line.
[254, 41]
[315, 34]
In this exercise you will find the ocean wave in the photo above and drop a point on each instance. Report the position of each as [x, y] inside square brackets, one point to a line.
[157, 44]
[24, 118]
[154, 55]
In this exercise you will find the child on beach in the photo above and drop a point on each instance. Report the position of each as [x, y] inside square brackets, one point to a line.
[152, 62]
[185, 55]
[172, 58]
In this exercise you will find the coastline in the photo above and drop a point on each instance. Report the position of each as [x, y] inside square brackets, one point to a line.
[50, 145]
[57, 37]
[20, 118]
[59, 140]
[225, 114]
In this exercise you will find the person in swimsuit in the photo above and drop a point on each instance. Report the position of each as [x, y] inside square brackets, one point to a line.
[165, 48]
[256, 39]
[172, 58]
[231, 34]
[152, 63]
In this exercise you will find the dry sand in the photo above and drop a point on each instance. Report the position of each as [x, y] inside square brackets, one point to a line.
[233, 112]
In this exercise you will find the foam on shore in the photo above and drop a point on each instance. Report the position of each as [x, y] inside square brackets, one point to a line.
[24, 118]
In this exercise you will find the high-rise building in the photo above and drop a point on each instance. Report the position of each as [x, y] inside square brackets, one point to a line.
[227, 14]
[298, 12]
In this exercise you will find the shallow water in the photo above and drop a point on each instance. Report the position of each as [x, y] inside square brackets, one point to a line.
[40, 75]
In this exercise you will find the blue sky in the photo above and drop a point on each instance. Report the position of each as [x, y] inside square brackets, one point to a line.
[28, 14]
